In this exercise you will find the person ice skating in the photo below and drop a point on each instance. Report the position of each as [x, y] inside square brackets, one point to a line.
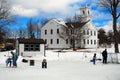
[14, 58]
[94, 58]
[8, 62]
[104, 55]
[44, 63]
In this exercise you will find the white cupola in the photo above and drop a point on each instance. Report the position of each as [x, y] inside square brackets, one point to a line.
[85, 14]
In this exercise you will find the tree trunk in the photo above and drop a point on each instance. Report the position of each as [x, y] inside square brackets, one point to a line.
[115, 34]
[73, 43]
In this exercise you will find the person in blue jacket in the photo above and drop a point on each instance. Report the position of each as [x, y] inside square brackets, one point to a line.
[94, 58]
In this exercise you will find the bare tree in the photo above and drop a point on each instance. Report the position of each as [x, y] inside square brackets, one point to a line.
[73, 33]
[30, 28]
[5, 18]
[22, 32]
[37, 28]
[34, 29]
[113, 6]
[2, 35]
[75, 18]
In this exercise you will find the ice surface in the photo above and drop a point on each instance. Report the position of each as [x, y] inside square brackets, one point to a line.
[67, 65]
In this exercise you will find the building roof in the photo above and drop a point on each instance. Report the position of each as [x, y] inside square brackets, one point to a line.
[57, 21]
[76, 24]
[68, 24]
[31, 40]
[10, 40]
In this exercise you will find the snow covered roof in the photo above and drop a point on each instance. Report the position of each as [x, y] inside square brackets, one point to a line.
[68, 24]
[59, 21]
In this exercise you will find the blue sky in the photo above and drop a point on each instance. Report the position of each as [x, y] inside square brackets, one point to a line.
[47, 9]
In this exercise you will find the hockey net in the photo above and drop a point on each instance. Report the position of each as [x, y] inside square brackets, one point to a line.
[114, 57]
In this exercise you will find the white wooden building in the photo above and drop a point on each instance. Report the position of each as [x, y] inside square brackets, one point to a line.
[51, 30]
[50, 33]
[30, 47]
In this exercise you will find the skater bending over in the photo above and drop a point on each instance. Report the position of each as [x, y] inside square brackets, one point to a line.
[8, 62]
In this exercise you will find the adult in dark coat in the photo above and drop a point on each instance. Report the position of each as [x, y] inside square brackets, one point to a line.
[104, 55]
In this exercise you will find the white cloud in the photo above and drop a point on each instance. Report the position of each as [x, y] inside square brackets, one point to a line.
[33, 7]
[19, 10]
[97, 15]
[107, 26]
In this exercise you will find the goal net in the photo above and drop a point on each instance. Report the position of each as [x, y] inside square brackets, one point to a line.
[114, 57]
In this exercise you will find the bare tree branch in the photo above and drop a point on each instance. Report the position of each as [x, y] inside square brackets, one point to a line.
[5, 18]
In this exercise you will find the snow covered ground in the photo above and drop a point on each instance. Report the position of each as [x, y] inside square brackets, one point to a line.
[66, 65]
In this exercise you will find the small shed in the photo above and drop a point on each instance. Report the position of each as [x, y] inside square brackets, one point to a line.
[30, 47]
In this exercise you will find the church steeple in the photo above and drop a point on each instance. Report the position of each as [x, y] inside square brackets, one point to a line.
[85, 14]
